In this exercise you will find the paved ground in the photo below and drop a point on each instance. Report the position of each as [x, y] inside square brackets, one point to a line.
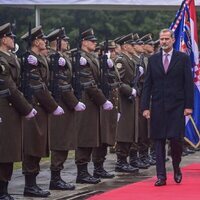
[83, 191]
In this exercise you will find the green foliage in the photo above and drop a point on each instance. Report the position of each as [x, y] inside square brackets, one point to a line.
[110, 24]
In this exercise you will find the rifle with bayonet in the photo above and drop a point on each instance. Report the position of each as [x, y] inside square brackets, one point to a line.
[76, 82]
[104, 84]
[54, 72]
[26, 88]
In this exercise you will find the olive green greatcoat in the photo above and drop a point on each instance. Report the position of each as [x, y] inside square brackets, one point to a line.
[63, 133]
[126, 126]
[88, 122]
[142, 122]
[108, 119]
[11, 109]
[36, 132]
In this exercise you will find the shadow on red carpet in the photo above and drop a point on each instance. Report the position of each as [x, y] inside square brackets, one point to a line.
[188, 189]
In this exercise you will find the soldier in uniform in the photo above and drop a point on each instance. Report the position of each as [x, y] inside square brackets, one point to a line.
[108, 119]
[148, 50]
[63, 134]
[140, 121]
[126, 130]
[93, 98]
[12, 107]
[35, 137]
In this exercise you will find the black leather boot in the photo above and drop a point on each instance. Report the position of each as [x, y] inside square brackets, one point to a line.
[57, 183]
[84, 177]
[4, 191]
[100, 172]
[123, 166]
[135, 161]
[144, 157]
[32, 189]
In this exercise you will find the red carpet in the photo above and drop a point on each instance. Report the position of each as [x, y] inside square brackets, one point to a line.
[189, 189]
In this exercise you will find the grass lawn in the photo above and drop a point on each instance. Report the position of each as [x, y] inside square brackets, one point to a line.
[18, 165]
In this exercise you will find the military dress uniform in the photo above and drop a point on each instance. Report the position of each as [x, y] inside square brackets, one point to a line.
[36, 133]
[135, 159]
[146, 143]
[108, 119]
[12, 107]
[88, 121]
[63, 134]
[126, 127]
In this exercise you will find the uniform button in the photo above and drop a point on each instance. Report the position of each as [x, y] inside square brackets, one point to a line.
[38, 104]
[116, 107]
[10, 104]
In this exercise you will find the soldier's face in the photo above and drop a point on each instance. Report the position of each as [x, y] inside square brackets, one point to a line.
[41, 44]
[149, 48]
[118, 49]
[138, 48]
[9, 42]
[91, 45]
[166, 41]
[112, 53]
[64, 45]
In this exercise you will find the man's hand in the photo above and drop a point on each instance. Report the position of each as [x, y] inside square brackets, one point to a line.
[187, 111]
[146, 114]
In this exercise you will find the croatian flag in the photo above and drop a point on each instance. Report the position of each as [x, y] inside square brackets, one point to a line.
[185, 30]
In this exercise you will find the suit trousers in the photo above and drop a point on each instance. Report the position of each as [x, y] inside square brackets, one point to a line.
[57, 160]
[176, 153]
[6, 170]
[83, 155]
[31, 165]
[99, 153]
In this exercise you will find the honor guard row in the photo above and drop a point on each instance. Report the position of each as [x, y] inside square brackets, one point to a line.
[84, 100]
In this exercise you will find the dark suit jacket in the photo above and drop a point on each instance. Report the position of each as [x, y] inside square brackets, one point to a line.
[169, 93]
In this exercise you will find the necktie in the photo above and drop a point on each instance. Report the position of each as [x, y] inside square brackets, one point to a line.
[166, 62]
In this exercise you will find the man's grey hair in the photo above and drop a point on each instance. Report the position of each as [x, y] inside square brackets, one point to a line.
[167, 30]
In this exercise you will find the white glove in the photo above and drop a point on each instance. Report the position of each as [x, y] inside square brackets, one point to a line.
[141, 70]
[107, 105]
[58, 111]
[118, 116]
[83, 61]
[32, 60]
[31, 114]
[134, 92]
[61, 62]
[80, 106]
[108, 54]
[110, 63]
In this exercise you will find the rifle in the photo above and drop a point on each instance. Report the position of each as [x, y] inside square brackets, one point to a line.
[76, 82]
[136, 80]
[105, 87]
[54, 72]
[25, 70]
[26, 76]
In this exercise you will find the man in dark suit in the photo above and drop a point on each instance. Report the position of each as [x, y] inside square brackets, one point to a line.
[168, 88]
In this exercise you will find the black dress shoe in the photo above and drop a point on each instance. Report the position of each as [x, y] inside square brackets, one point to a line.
[60, 185]
[160, 182]
[35, 191]
[178, 176]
